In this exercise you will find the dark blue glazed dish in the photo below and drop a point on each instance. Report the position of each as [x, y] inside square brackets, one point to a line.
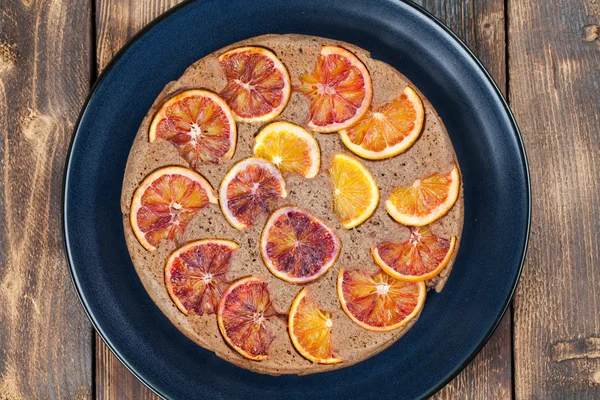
[454, 325]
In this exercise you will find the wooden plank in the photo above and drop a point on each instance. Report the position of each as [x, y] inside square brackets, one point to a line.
[555, 94]
[480, 24]
[116, 22]
[45, 337]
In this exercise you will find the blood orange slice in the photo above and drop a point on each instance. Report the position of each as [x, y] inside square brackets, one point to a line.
[298, 247]
[245, 316]
[426, 200]
[249, 190]
[339, 90]
[258, 84]
[387, 130]
[165, 202]
[195, 275]
[355, 192]
[379, 302]
[199, 124]
[421, 257]
[310, 329]
[290, 148]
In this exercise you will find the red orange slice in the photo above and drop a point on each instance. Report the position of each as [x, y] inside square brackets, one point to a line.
[310, 329]
[379, 302]
[339, 90]
[195, 275]
[298, 247]
[245, 315]
[421, 257]
[199, 124]
[165, 202]
[250, 189]
[258, 84]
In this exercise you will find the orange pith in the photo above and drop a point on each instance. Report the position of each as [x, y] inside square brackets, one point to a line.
[245, 315]
[379, 302]
[388, 130]
[199, 124]
[421, 257]
[290, 148]
[195, 275]
[249, 190]
[298, 247]
[355, 192]
[339, 90]
[310, 329]
[165, 202]
[258, 84]
[426, 200]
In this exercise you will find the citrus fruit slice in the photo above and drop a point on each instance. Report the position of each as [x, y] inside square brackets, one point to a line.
[258, 84]
[339, 90]
[245, 315]
[421, 257]
[298, 247]
[379, 302]
[195, 275]
[387, 130]
[165, 202]
[199, 124]
[290, 148]
[355, 194]
[426, 200]
[250, 189]
[310, 329]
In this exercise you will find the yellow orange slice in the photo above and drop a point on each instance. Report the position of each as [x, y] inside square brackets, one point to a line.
[165, 202]
[290, 148]
[297, 246]
[355, 194]
[195, 275]
[339, 90]
[199, 124]
[258, 84]
[245, 316]
[249, 190]
[421, 257]
[388, 130]
[379, 302]
[310, 329]
[426, 200]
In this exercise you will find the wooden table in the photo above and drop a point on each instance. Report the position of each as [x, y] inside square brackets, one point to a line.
[544, 55]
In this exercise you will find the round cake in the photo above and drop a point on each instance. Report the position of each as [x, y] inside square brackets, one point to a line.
[409, 168]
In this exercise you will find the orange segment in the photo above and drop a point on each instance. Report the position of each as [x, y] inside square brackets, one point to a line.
[298, 247]
[339, 90]
[258, 84]
[245, 317]
[290, 148]
[421, 257]
[165, 202]
[387, 130]
[310, 329]
[355, 194]
[249, 190]
[199, 124]
[426, 200]
[379, 302]
[195, 275]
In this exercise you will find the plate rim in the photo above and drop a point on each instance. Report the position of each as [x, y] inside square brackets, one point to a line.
[458, 41]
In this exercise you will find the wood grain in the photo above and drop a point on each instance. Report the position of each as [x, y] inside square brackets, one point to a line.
[45, 338]
[481, 25]
[116, 22]
[555, 94]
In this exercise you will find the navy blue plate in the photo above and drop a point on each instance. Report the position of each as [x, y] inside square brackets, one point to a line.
[454, 325]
